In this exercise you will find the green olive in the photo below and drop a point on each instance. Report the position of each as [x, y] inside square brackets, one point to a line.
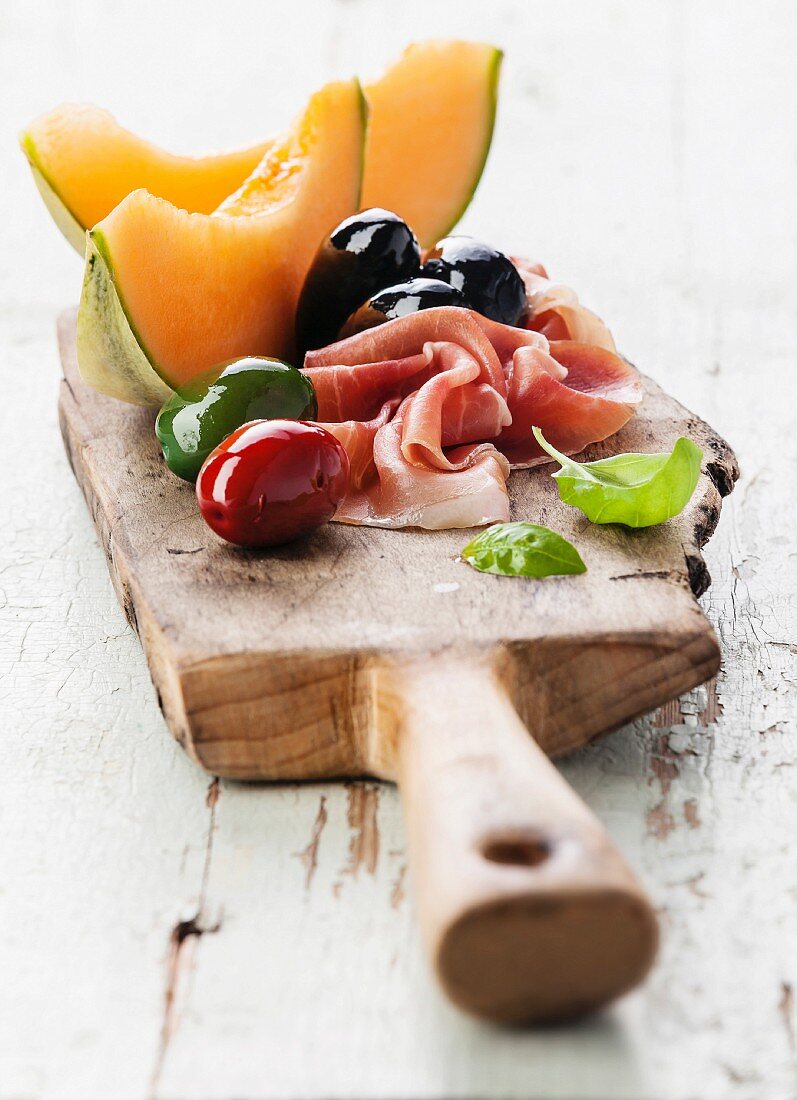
[194, 421]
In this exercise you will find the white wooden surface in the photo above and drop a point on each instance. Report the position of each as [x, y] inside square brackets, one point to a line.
[648, 154]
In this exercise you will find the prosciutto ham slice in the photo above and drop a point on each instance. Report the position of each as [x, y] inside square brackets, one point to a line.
[434, 409]
[467, 490]
[595, 398]
[420, 475]
[555, 311]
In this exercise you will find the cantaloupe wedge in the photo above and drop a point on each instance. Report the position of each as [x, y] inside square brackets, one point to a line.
[432, 118]
[168, 294]
[431, 124]
[84, 163]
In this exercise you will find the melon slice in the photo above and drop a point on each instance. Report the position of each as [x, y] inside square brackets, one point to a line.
[432, 117]
[84, 163]
[168, 294]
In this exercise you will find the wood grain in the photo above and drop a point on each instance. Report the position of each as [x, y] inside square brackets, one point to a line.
[265, 663]
[528, 910]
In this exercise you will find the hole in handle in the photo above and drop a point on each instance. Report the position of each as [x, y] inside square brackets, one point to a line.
[519, 851]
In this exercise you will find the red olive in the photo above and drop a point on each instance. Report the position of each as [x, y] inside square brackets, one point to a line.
[271, 481]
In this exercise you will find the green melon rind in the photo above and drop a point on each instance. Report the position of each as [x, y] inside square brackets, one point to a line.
[493, 77]
[365, 113]
[110, 356]
[59, 211]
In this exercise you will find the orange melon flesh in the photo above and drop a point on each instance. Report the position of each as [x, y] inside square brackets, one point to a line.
[90, 163]
[431, 124]
[432, 118]
[193, 290]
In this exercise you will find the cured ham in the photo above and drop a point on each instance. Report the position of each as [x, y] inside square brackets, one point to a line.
[412, 469]
[595, 398]
[358, 438]
[467, 489]
[555, 311]
[404, 338]
[434, 408]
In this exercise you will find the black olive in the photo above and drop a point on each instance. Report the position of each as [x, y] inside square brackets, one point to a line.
[489, 281]
[401, 300]
[366, 252]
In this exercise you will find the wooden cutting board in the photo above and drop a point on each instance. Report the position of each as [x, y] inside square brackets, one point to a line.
[368, 652]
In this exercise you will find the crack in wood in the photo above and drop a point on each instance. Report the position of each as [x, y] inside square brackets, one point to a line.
[649, 574]
[397, 894]
[183, 933]
[786, 1009]
[212, 796]
[309, 855]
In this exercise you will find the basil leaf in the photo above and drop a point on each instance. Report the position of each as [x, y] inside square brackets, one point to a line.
[638, 490]
[522, 550]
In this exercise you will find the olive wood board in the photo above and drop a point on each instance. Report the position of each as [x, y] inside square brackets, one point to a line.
[362, 651]
[262, 660]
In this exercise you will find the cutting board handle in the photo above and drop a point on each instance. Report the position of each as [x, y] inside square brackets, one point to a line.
[528, 911]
